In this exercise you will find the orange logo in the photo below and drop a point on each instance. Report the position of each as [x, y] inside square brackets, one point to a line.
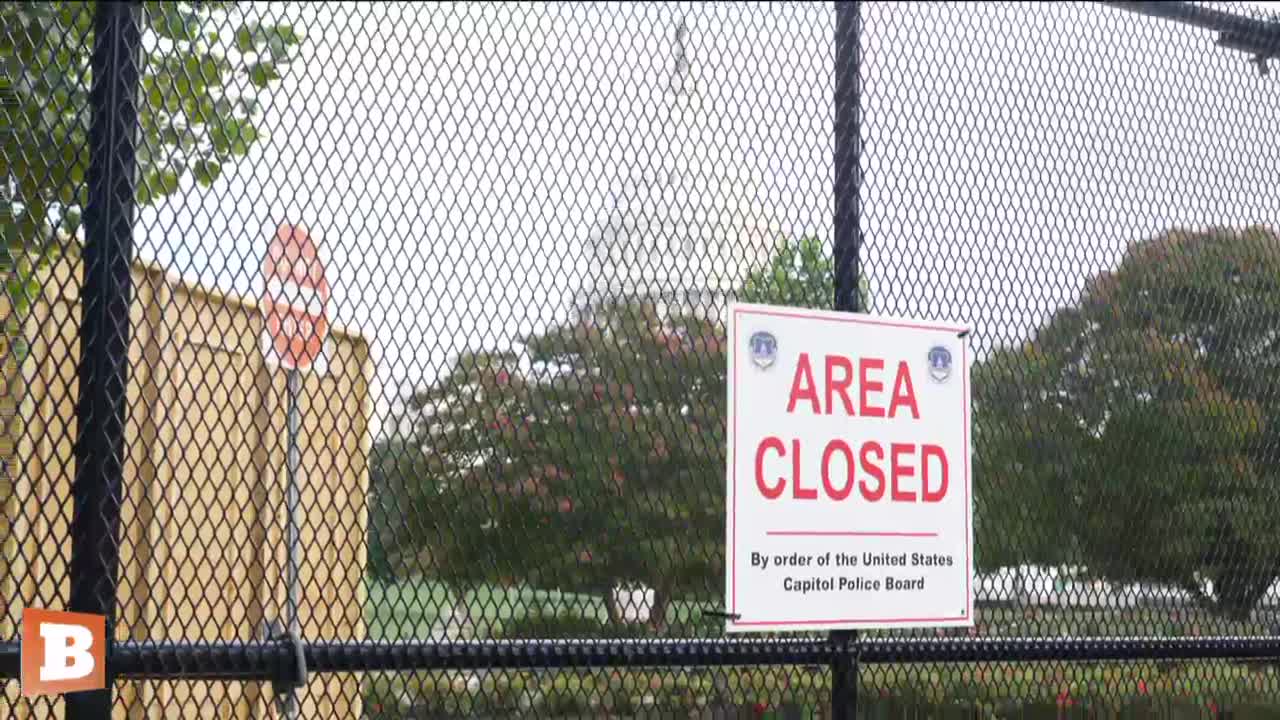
[62, 652]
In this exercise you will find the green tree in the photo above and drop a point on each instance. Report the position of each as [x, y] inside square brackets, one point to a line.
[799, 274]
[1135, 433]
[594, 461]
[394, 463]
[203, 68]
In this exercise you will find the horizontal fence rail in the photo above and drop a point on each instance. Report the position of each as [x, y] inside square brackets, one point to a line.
[1264, 32]
[228, 661]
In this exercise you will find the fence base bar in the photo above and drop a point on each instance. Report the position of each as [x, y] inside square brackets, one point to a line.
[229, 661]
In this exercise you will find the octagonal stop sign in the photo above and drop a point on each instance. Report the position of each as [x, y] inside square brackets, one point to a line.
[295, 300]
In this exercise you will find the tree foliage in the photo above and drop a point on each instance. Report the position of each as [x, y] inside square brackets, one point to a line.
[203, 69]
[1136, 432]
[593, 459]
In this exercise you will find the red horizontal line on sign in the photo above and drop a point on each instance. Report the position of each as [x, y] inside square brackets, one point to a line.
[847, 533]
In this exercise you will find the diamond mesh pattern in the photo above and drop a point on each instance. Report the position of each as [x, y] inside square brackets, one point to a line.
[531, 218]
[44, 115]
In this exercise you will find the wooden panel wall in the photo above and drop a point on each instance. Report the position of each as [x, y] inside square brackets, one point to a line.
[202, 528]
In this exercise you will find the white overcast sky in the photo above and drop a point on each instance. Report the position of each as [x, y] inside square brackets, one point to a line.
[452, 160]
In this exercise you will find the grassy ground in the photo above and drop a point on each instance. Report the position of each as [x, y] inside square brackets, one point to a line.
[991, 690]
[417, 608]
[410, 609]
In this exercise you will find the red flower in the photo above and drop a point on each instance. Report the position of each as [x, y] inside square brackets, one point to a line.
[1142, 687]
[503, 377]
[1064, 698]
[759, 709]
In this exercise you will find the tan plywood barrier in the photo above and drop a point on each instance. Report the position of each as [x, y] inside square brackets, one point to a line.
[202, 552]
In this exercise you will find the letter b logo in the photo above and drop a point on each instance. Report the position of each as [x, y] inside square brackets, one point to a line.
[62, 652]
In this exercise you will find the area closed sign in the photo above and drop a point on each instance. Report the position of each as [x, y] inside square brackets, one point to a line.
[848, 498]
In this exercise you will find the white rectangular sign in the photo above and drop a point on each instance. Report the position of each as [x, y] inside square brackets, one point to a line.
[848, 500]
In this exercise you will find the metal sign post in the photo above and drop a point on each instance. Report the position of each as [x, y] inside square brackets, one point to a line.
[293, 540]
[295, 297]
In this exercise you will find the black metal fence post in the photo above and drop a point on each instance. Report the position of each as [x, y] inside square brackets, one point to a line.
[848, 156]
[848, 269]
[104, 330]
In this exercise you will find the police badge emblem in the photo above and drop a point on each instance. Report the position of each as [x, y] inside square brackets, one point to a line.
[764, 349]
[939, 363]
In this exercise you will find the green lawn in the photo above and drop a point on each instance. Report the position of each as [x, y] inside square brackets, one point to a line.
[411, 609]
[1191, 689]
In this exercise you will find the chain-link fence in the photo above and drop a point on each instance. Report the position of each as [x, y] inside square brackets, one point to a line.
[367, 360]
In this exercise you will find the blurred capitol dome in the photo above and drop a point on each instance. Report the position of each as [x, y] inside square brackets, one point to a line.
[687, 221]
